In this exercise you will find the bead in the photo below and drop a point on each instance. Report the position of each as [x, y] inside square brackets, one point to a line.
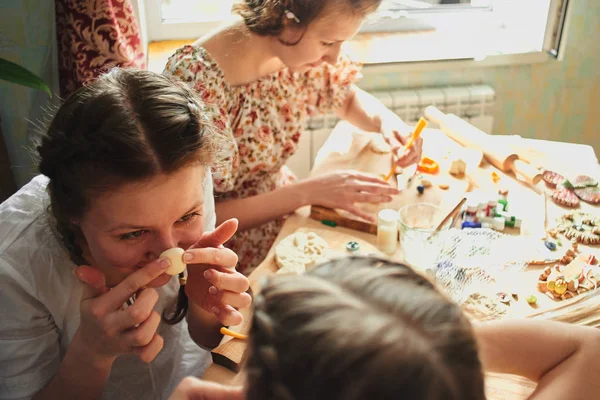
[531, 299]
[550, 245]
[352, 246]
[426, 183]
[443, 186]
[421, 189]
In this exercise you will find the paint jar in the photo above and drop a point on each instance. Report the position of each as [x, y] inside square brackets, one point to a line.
[420, 242]
[387, 231]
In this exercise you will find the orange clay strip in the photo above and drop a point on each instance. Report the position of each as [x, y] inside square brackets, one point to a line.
[416, 133]
[225, 331]
[428, 166]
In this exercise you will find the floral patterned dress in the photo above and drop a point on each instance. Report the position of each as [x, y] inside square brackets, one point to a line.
[264, 119]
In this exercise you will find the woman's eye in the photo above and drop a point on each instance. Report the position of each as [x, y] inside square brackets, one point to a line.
[326, 44]
[133, 235]
[188, 217]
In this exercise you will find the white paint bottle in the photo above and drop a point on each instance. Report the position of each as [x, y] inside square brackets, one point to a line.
[387, 231]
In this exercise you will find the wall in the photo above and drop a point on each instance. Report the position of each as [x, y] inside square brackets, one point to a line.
[27, 37]
[557, 100]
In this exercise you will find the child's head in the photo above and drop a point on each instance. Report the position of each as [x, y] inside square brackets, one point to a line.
[126, 157]
[355, 329]
[312, 33]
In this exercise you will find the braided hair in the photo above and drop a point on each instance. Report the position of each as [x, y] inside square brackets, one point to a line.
[127, 126]
[360, 328]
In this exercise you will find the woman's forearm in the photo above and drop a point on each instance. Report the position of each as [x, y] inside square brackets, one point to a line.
[203, 327]
[81, 375]
[530, 348]
[256, 210]
[366, 112]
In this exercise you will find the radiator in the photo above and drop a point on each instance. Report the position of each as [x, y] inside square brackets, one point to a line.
[473, 103]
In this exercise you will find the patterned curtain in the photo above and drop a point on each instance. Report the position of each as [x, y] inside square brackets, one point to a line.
[94, 36]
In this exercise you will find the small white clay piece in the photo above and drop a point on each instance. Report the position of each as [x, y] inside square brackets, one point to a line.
[175, 256]
[458, 167]
[426, 183]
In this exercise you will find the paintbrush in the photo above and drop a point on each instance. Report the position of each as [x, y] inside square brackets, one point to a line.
[450, 215]
[415, 135]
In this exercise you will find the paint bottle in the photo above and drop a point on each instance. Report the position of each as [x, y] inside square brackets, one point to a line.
[387, 231]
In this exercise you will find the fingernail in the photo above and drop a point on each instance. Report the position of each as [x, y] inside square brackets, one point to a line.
[164, 263]
[216, 310]
[212, 290]
[78, 274]
[207, 274]
[188, 256]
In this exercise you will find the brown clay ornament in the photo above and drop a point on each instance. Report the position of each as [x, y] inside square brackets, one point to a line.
[589, 194]
[565, 197]
[583, 227]
[582, 181]
[552, 178]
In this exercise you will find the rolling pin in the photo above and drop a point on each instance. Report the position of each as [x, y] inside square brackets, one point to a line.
[497, 153]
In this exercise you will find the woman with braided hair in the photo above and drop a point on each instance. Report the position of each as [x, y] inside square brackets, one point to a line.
[88, 309]
[362, 328]
[267, 73]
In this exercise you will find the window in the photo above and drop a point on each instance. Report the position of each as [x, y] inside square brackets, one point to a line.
[420, 30]
[173, 11]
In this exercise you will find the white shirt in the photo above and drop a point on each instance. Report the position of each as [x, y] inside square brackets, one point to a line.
[39, 309]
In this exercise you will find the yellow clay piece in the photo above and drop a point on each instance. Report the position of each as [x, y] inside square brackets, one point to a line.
[560, 289]
[495, 177]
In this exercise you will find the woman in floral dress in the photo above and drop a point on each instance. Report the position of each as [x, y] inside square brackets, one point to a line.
[265, 75]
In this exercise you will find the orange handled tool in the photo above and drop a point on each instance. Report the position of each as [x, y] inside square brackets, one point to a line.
[415, 135]
[225, 331]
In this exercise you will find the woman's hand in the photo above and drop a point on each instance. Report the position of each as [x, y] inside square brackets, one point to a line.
[343, 189]
[196, 389]
[213, 283]
[404, 158]
[107, 329]
[397, 133]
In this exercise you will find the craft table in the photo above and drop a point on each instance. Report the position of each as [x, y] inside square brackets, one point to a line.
[551, 155]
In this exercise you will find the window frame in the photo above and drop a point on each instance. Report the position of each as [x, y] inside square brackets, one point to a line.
[157, 30]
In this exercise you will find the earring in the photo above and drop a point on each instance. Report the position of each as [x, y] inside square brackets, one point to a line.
[291, 15]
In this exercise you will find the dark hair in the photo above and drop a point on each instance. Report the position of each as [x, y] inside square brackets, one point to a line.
[127, 126]
[266, 17]
[360, 328]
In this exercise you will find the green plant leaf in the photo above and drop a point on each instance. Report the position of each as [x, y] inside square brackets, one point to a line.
[14, 73]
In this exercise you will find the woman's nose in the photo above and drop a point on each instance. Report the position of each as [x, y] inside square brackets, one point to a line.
[160, 244]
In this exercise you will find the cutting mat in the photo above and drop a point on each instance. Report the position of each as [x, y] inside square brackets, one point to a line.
[349, 148]
[231, 351]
